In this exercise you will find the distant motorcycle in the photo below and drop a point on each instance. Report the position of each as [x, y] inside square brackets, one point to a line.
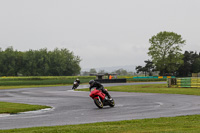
[75, 85]
[100, 99]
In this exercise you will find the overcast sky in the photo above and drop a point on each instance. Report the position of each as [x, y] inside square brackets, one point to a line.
[104, 33]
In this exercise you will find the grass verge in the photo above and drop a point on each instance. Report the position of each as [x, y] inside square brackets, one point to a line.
[166, 124]
[42, 80]
[152, 88]
[13, 108]
[31, 86]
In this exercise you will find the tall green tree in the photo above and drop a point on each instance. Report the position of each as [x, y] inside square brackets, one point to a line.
[62, 62]
[141, 69]
[9, 62]
[101, 71]
[191, 64]
[30, 65]
[93, 70]
[196, 65]
[121, 72]
[148, 68]
[186, 68]
[1, 62]
[165, 51]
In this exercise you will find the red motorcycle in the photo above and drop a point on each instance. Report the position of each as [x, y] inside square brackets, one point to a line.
[100, 99]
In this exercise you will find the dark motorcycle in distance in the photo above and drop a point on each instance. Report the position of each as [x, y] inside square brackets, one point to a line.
[75, 85]
[100, 99]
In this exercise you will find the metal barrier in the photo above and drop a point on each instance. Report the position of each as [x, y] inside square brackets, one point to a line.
[155, 77]
[184, 82]
[111, 80]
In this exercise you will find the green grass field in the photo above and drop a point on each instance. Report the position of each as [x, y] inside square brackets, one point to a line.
[149, 88]
[166, 124]
[180, 124]
[13, 108]
[42, 80]
[30, 86]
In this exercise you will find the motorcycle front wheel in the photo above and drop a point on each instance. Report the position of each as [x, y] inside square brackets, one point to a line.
[112, 103]
[98, 103]
[74, 87]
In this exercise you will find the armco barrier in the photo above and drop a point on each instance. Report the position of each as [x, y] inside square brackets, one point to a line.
[111, 80]
[160, 77]
[188, 82]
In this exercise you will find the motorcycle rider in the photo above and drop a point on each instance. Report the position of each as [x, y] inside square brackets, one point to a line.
[76, 85]
[99, 86]
[77, 80]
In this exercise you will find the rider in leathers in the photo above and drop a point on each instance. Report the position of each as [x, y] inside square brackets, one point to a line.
[76, 85]
[99, 86]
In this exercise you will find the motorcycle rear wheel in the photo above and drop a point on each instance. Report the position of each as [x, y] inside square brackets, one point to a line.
[98, 103]
[74, 87]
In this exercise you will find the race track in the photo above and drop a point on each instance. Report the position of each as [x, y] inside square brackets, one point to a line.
[72, 107]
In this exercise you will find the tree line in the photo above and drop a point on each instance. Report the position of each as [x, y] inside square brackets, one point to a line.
[121, 72]
[59, 62]
[167, 58]
[191, 64]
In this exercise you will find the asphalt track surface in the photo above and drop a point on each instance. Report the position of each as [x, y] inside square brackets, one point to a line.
[75, 107]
